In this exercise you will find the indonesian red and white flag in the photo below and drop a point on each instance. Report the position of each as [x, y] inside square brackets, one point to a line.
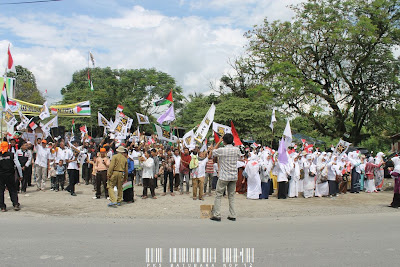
[83, 129]
[33, 125]
[120, 108]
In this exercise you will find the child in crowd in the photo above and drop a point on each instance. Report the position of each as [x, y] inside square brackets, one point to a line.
[60, 176]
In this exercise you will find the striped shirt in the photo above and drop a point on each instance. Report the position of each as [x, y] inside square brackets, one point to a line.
[210, 166]
[227, 158]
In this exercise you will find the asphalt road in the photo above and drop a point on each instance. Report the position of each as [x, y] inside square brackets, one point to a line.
[342, 240]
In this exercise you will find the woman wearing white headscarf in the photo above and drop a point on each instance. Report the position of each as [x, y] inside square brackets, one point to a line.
[379, 172]
[309, 177]
[362, 174]
[396, 176]
[253, 178]
[369, 173]
[321, 186]
[283, 171]
[355, 172]
[332, 172]
[295, 177]
[344, 172]
[266, 165]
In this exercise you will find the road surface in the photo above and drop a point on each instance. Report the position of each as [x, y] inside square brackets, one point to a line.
[339, 240]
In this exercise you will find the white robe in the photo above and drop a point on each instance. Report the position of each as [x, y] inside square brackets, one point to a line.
[321, 189]
[253, 179]
[308, 182]
[294, 182]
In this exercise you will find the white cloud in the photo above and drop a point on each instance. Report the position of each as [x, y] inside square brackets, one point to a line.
[247, 13]
[192, 49]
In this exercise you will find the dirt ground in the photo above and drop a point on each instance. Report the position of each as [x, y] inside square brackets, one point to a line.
[51, 203]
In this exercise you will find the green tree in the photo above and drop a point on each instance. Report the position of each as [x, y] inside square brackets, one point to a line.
[251, 117]
[25, 87]
[135, 89]
[334, 62]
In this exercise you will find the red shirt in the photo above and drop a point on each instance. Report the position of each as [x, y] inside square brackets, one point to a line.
[185, 160]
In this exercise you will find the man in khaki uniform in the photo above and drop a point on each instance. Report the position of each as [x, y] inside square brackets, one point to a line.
[117, 174]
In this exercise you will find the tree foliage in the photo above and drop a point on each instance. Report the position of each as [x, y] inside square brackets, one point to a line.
[332, 63]
[251, 117]
[135, 89]
[25, 87]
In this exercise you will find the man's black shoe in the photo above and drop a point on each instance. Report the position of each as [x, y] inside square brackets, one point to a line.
[231, 219]
[213, 218]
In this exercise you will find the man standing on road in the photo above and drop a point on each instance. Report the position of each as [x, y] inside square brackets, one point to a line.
[101, 166]
[117, 174]
[228, 157]
[8, 162]
[42, 164]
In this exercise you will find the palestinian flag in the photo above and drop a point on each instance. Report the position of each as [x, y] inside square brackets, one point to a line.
[4, 97]
[127, 185]
[166, 100]
[90, 80]
[83, 108]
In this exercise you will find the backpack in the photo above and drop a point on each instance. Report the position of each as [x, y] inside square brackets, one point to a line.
[194, 162]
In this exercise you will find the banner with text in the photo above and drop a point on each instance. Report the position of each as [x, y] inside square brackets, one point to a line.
[81, 109]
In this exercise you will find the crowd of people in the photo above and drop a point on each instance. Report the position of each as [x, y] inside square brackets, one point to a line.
[111, 165]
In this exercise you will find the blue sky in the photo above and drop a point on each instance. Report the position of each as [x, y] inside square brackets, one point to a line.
[191, 40]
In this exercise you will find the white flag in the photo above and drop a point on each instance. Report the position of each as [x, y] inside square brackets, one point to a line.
[204, 147]
[287, 133]
[273, 119]
[221, 129]
[205, 124]
[44, 112]
[142, 119]
[188, 139]
[341, 147]
[129, 124]
[10, 118]
[164, 135]
[53, 123]
[102, 121]
[91, 59]
[24, 121]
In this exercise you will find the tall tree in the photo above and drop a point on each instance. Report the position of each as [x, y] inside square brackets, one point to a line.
[25, 87]
[135, 89]
[335, 58]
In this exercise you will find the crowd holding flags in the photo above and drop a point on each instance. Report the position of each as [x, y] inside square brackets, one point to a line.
[122, 123]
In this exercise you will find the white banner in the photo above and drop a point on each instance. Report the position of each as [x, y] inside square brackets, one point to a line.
[10, 118]
[102, 121]
[341, 147]
[142, 119]
[164, 135]
[44, 112]
[188, 139]
[201, 132]
[221, 129]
